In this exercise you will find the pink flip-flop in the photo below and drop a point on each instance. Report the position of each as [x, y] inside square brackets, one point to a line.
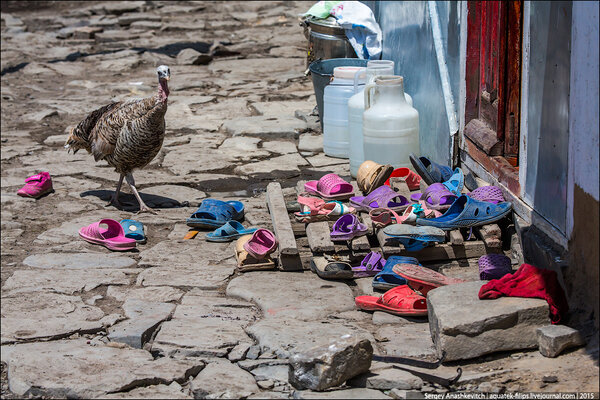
[330, 187]
[112, 237]
[262, 243]
[423, 279]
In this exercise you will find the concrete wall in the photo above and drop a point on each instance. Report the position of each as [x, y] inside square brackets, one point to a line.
[583, 222]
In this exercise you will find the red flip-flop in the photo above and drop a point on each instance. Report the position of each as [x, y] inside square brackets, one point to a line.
[112, 237]
[423, 279]
[413, 180]
[400, 300]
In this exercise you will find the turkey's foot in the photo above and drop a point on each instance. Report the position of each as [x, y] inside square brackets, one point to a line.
[145, 208]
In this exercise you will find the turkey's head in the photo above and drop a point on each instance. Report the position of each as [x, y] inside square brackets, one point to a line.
[164, 75]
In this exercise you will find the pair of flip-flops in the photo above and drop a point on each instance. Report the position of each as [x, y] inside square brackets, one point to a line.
[108, 233]
[369, 266]
[407, 298]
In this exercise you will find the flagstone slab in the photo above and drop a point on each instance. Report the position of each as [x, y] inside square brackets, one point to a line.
[284, 336]
[78, 260]
[223, 380]
[66, 281]
[163, 294]
[284, 295]
[75, 369]
[463, 326]
[205, 326]
[38, 315]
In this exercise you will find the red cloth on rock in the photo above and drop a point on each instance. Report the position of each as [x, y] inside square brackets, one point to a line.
[530, 281]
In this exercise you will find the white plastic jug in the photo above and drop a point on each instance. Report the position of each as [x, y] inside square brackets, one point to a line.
[356, 107]
[390, 124]
[336, 140]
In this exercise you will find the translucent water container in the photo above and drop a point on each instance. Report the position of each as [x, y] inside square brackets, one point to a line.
[390, 123]
[336, 139]
[356, 107]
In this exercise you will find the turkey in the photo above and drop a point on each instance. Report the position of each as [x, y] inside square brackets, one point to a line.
[127, 134]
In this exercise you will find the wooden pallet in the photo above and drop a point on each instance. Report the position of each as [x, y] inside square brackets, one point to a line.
[459, 244]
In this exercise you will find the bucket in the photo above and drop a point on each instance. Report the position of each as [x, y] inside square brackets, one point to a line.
[321, 72]
[326, 40]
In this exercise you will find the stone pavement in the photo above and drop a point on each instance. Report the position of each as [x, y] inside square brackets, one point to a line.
[174, 319]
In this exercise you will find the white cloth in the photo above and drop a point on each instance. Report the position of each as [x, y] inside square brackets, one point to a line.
[362, 30]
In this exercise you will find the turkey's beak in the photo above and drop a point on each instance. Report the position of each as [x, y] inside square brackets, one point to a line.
[168, 78]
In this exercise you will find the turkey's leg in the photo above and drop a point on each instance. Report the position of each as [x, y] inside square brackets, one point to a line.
[143, 206]
[114, 200]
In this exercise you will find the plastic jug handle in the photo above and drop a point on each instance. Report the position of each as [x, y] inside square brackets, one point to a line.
[368, 88]
[357, 75]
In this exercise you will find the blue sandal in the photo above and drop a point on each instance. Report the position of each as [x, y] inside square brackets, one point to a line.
[456, 182]
[430, 171]
[134, 230]
[415, 238]
[467, 212]
[216, 213]
[388, 279]
[231, 230]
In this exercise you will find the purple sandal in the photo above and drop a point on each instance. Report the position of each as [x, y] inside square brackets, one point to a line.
[371, 265]
[380, 198]
[347, 227]
[491, 194]
[493, 266]
[437, 197]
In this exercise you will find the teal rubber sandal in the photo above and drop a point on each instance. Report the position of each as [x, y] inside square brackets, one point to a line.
[467, 212]
[456, 182]
[134, 230]
[228, 232]
[415, 238]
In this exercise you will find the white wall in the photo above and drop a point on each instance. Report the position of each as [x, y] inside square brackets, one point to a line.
[583, 108]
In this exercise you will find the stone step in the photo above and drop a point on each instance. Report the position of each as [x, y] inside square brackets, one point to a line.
[464, 327]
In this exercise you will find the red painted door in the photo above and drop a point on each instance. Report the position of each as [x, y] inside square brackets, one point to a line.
[493, 74]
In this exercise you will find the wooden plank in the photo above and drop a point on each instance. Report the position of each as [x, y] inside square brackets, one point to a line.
[513, 81]
[443, 252]
[485, 138]
[289, 258]
[360, 244]
[455, 237]
[319, 238]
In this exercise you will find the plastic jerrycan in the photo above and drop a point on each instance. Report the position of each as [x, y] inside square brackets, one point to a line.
[390, 124]
[336, 140]
[356, 107]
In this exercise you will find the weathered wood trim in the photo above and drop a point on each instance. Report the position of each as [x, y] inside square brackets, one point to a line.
[485, 138]
[289, 258]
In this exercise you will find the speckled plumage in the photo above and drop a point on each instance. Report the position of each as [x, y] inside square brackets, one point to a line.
[128, 135]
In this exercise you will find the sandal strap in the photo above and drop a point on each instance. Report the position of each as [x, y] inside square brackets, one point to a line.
[217, 208]
[436, 193]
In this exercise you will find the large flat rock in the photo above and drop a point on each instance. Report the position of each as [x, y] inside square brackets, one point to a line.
[285, 165]
[411, 340]
[205, 326]
[223, 380]
[286, 335]
[48, 315]
[161, 294]
[285, 295]
[143, 317]
[66, 281]
[264, 126]
[74, 369]
[466, 327]
[78, 260]
[172, 391]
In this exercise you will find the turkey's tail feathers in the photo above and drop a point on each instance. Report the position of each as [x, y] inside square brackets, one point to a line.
[79, 138]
